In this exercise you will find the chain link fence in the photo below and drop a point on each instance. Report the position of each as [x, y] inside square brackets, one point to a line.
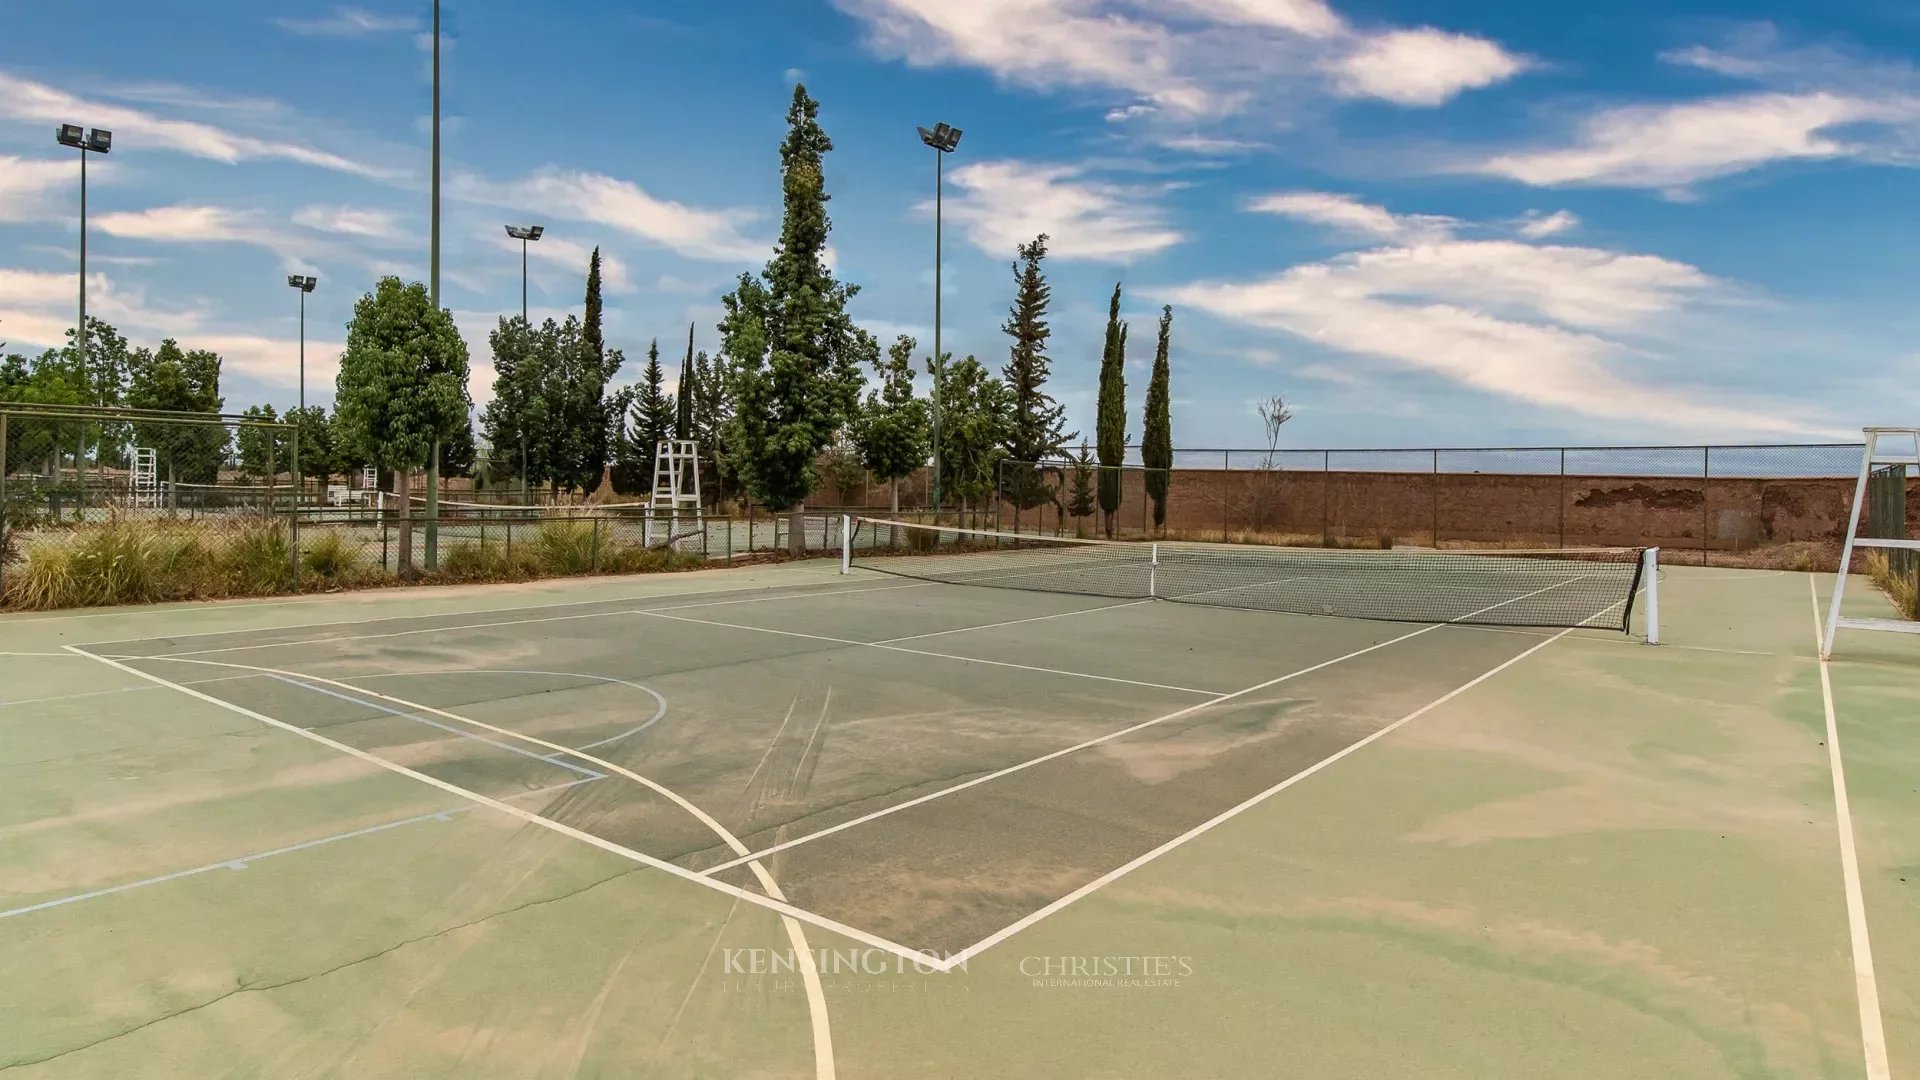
[116, 506]
[1751, 505]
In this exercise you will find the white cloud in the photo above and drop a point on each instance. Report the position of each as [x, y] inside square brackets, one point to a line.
[1540, 227]
[1183, 60]
[1423, 67]
[621, 204]
[350, 22]
[1671, 146]
[1312, 18]
[184, 224]
[572, 257]
[794, 75]
[27, 186]
[365, 222]
[1548, 325]
[1348, 214]
[28, 101]
[1003, 204]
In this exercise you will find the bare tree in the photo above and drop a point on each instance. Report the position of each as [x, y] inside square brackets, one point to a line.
[1260, 492]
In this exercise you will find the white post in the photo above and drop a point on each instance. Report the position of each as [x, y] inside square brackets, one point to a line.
[1846, 550]
[1650, 573]
[1153, 571]
[846, 543]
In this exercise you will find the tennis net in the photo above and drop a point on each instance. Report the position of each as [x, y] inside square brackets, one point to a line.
[1584, 587]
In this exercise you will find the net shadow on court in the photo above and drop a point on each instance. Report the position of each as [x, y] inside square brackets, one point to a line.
[927, 762]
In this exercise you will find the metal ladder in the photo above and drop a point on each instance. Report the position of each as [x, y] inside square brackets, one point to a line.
[1868, 460]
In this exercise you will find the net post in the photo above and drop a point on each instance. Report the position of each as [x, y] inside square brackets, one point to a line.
[846, 544]
[1650, 573]
[1153, 572]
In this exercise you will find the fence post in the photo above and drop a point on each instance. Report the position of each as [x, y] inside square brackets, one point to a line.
[1706, 513]
[509, 524]
[593, 556]
[1326, 498]
[3, 508]
[1563, 496]
[293, 522]
[1436, 498]
[433, 508]
[1226, 496]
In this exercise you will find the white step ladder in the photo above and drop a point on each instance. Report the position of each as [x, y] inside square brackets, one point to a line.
[1872, 458]
[145, 478]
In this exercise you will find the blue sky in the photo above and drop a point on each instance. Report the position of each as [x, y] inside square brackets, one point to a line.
[1462, 223]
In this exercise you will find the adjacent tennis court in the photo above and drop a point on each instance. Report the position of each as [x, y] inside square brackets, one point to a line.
[1143, 810]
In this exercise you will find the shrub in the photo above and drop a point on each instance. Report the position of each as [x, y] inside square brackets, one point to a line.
[468, 561]
[645, 560]
[565, 546]
[330, 556]
[117, 562]
[1902, 586]
[254, 557]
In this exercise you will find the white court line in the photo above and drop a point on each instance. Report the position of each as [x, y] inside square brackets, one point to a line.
[1010, 622]
[774, 899]
[116, 690]
[449, 728]
[243, 861]
[659, 711]
[922, 652]
[1096, 741]
[486, 625]
[40, 655]
[1873, 1036]
[1121, 871]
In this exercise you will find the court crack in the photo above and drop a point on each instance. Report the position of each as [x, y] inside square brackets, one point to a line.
[266, 986]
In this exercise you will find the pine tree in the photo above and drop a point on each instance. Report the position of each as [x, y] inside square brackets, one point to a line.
[652, 417]
[685, 392]
[1156, 443]
[1038, 422]
[1081, 499]
[1110, 423]
[796, 354]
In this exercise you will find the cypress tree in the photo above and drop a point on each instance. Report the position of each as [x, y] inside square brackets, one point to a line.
[592, 338]
[1156, 444]
[685, 393]
[1037, 430]
[795, 353]
[1110, 424]
[653, 409]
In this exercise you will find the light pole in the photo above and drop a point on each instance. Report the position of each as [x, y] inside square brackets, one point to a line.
[944, 139]
[305, 285]
[524, 233]
[94, 141]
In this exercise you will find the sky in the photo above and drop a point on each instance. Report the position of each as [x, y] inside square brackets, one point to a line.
[1477, 222]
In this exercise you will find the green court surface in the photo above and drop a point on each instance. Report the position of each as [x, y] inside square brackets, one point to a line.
[781, 822]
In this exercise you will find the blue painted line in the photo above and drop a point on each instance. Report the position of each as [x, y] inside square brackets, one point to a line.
[241, 862]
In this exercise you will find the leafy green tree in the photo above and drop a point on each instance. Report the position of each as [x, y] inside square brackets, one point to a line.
[976, 416]
[318, 456]
[1081, 500]
[172, 380]
[33, 446]
[890, 432]
[1156, 444]
[1038, 428]
[515, 422]
[712, 409]
[402, 384]
[1110, 422]
[795, 350]
[263, 450]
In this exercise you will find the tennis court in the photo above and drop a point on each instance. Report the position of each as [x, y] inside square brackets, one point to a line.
[789, 821]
